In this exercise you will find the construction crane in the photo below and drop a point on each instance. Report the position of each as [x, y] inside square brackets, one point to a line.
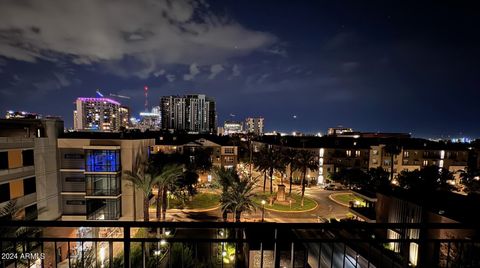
[119, 96]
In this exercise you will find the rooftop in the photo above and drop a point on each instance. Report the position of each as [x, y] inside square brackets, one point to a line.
[457, 207]
[86, 99]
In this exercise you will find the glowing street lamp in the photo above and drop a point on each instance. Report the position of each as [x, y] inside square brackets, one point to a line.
[263, 209]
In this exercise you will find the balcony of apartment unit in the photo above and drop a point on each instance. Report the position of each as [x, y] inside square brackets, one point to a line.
[227, 244]
[103, 209]
[74, 205]
[364, 207]
[102, 185]
[15, 163]
[22, 192]
[16, 142]
[431, 155]
[102, 159]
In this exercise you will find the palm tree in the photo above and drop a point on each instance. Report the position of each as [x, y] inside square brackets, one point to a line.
[144, 181]
[237, 193]
[290, 159]
[8, 212]
[239, 198]
[269, 161]
[306, 160]
[262, 164]
[165, 178]
[392, 149]
[224, 178]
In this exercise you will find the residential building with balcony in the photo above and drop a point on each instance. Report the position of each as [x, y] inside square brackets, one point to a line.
[223, 153]
[192, 113]
[91, 167]
[29, 168]
[255, 125]
[338, 152]
[99, 114]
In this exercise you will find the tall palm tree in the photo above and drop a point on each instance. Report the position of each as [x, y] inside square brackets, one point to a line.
[289, 158]
[166, 177]
[392, 149]
[276, 163]
[270, 160]
[224, 179]
[262, 164]
[144, 181]
[306, 160]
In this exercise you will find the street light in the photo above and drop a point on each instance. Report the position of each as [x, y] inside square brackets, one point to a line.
[263, 209]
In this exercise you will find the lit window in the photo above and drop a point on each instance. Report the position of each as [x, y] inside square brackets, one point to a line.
[357, 153]
[405, 154]
[229, 150]
[349, 153]
[425, 163]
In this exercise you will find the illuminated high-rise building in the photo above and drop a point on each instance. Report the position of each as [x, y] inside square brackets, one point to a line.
[124, 117]
[97, 114]
[254, 125]
[232, 127]
[193, 113]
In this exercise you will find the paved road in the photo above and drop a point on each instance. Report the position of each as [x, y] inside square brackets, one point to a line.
[326, 209]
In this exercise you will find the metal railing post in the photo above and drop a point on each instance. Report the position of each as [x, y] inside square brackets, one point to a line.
[126, 246]
[292, 256]
[276, 253]
[143, 255]
[261, 255]
[110, 254]
[68, 255]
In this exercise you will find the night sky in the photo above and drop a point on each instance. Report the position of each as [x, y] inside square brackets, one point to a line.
[404, 67]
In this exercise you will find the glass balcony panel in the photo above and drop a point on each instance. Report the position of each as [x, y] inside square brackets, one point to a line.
[102, 161]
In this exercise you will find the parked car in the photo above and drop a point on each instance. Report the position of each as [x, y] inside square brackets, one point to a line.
[331, 187]
[334, 187]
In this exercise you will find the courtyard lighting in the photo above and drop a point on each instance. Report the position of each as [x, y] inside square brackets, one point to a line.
[263, 209]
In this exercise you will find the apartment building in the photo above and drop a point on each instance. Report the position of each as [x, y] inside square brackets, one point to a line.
[91, 166]
[222, 152]
[335, 153]
[29, 168]
[99, 114]
[191, 113]
[255, 125]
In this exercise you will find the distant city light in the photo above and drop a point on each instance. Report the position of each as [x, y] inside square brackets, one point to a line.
[84, 99]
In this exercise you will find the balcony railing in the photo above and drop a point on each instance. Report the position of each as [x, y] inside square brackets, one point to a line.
[220, 244]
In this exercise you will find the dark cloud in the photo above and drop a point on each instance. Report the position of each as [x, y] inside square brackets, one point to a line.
[149, 32]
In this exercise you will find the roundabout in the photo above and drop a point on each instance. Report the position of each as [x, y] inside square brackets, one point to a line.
[291, 204]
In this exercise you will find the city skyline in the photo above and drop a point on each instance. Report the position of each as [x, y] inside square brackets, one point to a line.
[275, 133]
[371, 67]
